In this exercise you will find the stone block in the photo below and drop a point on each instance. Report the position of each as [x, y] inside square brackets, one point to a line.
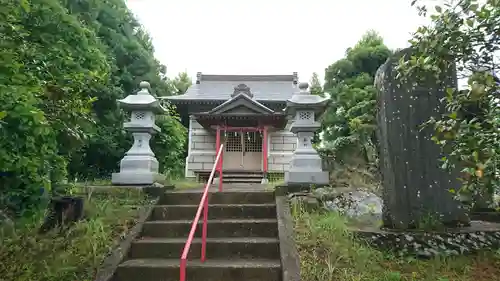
[277, 139]
[281, 159]
[204, 158]
[290, 147]
[196, 125]
[210, 139]
[208, 166]
[203, 153]
[307, 177]
[198, 138]
[276, 167]
[204, 146]
[277, 146]
[199, 132]
[290, 139]
[139, 163]
[195, 166]
[136, 178]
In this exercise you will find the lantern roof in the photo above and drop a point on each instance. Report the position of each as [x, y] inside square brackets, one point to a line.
[303, 100]
[143, 100]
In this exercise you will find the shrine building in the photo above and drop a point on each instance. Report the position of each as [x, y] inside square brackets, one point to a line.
[246, 114]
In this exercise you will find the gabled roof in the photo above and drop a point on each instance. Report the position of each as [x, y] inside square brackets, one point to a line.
[277, 88]
[241, 103]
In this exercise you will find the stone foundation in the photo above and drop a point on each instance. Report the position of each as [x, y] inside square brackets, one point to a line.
[479, 236]
[136, 178]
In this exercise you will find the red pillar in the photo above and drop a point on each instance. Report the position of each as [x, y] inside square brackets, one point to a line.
[264, 152]
[219, 164]
[217, 139]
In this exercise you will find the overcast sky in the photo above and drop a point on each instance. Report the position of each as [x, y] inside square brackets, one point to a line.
[267, 36]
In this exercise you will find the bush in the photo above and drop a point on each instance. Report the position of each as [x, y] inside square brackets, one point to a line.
[26, 255]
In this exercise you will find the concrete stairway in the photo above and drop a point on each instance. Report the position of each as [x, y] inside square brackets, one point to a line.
[242, 239]
[242, 177]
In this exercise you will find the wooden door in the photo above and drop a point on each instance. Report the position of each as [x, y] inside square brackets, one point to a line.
[233, 152]
[243, 151]
[252, 151]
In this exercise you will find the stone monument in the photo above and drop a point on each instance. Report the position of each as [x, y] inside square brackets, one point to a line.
[306, 164]
[139, 166]
[416, 191]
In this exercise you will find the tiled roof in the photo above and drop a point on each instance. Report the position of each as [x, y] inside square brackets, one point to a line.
[242, 100]
[220, 87]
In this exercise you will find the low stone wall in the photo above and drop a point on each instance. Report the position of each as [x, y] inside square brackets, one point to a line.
[290, 259]
[468, 240]
[364, 210]
[486, 216]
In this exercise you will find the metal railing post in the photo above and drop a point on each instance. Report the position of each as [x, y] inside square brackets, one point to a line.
[203, 206]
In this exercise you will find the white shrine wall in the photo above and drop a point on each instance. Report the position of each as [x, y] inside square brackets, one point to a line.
[281, 148]
[202, 152]
[201, 149]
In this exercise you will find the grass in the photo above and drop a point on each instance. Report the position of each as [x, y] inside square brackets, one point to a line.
[180, 183]
[75, 254]
[329, 253]
[186, 183]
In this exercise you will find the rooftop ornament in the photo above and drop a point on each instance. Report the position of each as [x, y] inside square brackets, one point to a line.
[242, 89]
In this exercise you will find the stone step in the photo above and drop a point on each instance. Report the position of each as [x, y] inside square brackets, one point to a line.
[226, 197]
[225, 247]
[210, 270]
[216, 228]
[240, 175]
[242, 180]
[215, 211]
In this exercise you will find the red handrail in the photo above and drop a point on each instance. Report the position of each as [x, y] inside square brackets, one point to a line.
[203, 206]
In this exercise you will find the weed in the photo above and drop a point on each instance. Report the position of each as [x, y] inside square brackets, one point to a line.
[75, 254]
[329, 252]
[186, 183]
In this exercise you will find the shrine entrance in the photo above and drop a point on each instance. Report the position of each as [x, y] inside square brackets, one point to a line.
[243, 150]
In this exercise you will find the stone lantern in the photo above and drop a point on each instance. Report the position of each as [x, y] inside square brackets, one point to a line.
[139, 166]
[306, 165]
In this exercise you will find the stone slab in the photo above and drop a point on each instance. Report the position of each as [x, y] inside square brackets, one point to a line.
[290, 259]
[307, 177]
[477, 237]
[136, 178]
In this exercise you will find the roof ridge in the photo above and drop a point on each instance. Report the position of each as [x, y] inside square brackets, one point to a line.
[252, 77]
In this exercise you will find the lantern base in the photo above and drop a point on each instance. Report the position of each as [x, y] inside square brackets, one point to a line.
[136, 178]
[307, 177]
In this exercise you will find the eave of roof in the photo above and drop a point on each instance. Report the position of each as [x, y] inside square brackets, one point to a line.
[250, 101]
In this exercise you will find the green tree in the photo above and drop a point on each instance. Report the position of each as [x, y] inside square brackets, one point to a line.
[181, 83]
[464, 34]
[130, 51]
[315, 86]
[50, 66]
[349, 123]
[63, 65]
